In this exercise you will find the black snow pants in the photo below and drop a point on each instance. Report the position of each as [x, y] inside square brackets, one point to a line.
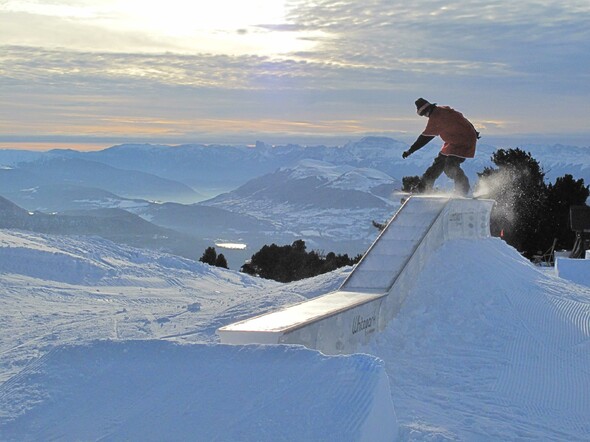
[451, 166]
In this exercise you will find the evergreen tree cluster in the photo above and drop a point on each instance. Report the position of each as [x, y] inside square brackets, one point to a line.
[529, 214]
[211, 257]
[292, 262]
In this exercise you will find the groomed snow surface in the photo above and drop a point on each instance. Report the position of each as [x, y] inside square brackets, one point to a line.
[103, 342]
[157, 390]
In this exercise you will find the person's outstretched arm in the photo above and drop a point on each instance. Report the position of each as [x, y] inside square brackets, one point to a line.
[420, 142]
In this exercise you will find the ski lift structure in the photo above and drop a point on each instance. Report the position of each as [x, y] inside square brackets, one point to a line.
[580, 224]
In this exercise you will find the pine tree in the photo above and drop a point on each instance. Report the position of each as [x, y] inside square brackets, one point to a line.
[209, 256]
[221, 261]
[292, 262]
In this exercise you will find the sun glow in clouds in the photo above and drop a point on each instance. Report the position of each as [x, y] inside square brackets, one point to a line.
[231, 27]
[180, 17]
[223, 26]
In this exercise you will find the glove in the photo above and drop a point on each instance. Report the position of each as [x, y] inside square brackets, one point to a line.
[406, 154]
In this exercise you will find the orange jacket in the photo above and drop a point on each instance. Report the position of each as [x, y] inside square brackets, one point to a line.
[456, 131]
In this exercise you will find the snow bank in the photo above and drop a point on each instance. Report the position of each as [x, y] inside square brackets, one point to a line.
[33, 256]
[489, 347]
[157, 390]
[97, 261]
[575, 270]
[485, 347]
[53, 266]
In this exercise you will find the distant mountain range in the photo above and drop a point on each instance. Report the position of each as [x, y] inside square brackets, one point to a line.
[212, 169]
[116, 225]
[253, 195]
[44, 182]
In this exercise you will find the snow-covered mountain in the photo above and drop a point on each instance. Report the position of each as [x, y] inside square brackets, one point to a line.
[329, 206]
[91, 334]
[316, 184]
[54, 183]
[115, 224]
[341, 176]
[326, 195]
[211, 168]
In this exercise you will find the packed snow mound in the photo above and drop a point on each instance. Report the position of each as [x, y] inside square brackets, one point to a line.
[489, 347]
[156, 390]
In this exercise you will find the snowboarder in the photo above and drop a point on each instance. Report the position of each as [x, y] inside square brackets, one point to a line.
[459, 138]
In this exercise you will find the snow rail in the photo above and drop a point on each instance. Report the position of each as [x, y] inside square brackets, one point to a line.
[339, 322]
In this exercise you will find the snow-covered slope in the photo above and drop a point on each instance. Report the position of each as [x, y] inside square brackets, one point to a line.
[114, 224]
[489, 347]
[486, 347]
[56, 290]
[159, 391]
[575, 270]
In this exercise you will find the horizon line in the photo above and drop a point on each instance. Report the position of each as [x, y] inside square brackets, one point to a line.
[82, 143]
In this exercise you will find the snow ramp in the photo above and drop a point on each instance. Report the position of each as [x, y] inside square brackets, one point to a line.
[339, 322]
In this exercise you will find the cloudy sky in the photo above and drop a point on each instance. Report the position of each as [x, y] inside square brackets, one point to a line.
[99, 72]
